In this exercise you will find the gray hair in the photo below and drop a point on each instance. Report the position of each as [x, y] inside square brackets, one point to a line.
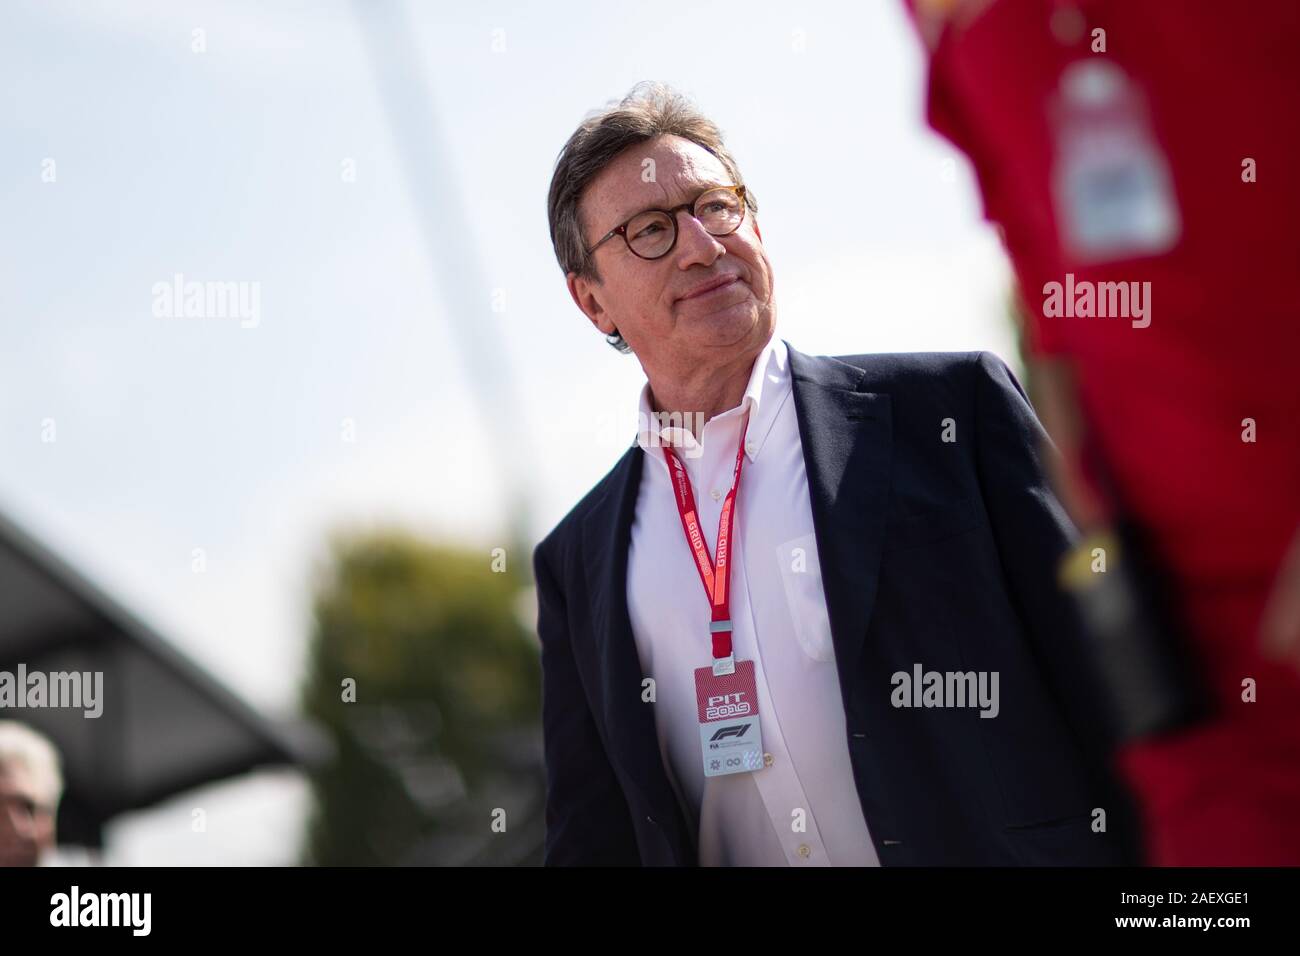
[20, 745]
[651, 109]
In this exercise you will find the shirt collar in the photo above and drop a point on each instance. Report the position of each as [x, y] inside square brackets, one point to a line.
[769, 381]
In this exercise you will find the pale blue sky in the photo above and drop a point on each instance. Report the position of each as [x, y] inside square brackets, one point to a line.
[225, 165]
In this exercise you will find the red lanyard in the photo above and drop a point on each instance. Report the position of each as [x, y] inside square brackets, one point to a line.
[715, 578]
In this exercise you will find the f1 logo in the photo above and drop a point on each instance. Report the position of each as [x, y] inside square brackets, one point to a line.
[735, 730]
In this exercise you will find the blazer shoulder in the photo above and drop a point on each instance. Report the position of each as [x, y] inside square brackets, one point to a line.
[557, 539]
[951, 373]
[905, 366]
[924, 380]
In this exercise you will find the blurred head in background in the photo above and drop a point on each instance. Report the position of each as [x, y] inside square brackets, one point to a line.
[31, 785]
[690, 294]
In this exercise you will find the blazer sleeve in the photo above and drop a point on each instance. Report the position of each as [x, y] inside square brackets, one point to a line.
[587, 818]
[1032, 532]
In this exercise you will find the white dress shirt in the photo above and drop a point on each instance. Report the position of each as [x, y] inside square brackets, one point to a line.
[802, 807]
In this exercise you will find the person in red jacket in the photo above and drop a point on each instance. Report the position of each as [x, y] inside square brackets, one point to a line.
[1139, 159]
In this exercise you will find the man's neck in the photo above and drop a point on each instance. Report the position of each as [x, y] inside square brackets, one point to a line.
[704, 394]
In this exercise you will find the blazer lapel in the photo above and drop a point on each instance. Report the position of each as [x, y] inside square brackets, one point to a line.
[630, 724]
[847, 446]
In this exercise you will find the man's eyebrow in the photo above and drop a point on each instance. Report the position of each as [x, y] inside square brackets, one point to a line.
[693, 190]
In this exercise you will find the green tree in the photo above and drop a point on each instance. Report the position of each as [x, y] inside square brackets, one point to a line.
[443, 732]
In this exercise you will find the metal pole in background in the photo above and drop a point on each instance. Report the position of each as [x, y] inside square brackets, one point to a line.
[425, 158]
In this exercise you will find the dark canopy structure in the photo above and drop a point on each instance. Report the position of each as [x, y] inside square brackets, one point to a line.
[166, 725]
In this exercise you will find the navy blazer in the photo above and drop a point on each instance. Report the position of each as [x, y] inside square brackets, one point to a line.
[932, 551]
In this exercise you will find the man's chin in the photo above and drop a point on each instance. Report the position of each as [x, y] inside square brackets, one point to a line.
[739, 317]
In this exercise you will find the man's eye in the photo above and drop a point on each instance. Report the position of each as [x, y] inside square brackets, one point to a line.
[25, 804]
[648, 230]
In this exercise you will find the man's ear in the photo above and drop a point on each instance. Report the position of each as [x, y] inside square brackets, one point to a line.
[582, 291]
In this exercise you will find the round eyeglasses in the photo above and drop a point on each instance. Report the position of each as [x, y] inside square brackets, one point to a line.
[652, 233]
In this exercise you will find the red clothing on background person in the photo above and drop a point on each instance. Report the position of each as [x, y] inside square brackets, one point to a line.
[1129, 163]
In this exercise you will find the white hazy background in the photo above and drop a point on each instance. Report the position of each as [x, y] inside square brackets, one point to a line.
[226, 165]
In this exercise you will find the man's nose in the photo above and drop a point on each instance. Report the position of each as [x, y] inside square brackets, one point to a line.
[695, 243]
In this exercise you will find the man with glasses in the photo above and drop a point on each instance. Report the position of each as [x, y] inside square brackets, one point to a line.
[810, 618]
[30, 787]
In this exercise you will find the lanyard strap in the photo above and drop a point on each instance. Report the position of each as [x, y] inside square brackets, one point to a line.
[715, 577]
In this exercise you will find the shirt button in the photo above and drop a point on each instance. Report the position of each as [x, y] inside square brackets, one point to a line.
[750, 447]
[805, 850]
[767, 760]
[716, 494]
